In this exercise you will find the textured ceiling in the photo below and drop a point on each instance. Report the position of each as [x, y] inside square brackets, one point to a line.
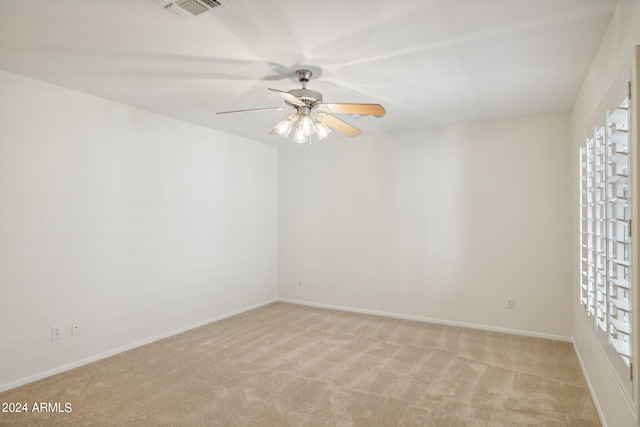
[429, 62]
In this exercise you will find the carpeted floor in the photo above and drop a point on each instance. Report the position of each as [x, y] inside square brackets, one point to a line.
[291, 365]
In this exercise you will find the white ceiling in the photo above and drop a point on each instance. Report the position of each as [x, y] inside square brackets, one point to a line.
[429, 62]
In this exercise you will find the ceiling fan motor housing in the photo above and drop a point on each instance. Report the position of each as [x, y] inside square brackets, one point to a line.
[308, 96]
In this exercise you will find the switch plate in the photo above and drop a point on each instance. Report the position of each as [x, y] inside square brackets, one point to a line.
[300, 281]
[75, 328]
[509, 303]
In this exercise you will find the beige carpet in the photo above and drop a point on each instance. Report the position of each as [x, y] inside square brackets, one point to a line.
[291, 365]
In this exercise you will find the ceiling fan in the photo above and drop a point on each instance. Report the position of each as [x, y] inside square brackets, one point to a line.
[312, 115]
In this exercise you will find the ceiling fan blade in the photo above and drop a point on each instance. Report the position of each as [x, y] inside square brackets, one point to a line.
[338, 125]
[255, 109]
[288, 97]
[361, 109]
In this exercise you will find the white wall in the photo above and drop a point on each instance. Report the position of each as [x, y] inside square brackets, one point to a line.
[441, 224]
[134, 224]
[616, 49]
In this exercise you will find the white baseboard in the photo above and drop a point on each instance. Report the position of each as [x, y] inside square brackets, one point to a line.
[605, 385]
[594, 397]
[122, 349]
[430, 320]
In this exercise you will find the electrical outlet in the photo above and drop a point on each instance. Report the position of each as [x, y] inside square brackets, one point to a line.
[509, 302]
[56, 332]
[75, 328]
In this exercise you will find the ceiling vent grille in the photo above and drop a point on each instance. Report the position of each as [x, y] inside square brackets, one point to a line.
[211, 3]
[188, 9]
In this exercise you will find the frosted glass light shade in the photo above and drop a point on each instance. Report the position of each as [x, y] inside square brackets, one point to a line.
[306, 124]
[300, 136]
[322, 130]
[284, 127]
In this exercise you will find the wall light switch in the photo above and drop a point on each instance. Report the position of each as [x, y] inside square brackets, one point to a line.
[75, 328]
[509, 302]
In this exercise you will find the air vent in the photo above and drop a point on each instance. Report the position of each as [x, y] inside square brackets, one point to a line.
[211, 3]
[188, 9]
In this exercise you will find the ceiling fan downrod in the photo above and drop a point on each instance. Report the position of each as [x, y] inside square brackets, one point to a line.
[303, 77]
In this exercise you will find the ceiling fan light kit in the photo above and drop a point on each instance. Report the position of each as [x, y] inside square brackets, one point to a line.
[312, 115]
[308, 124]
